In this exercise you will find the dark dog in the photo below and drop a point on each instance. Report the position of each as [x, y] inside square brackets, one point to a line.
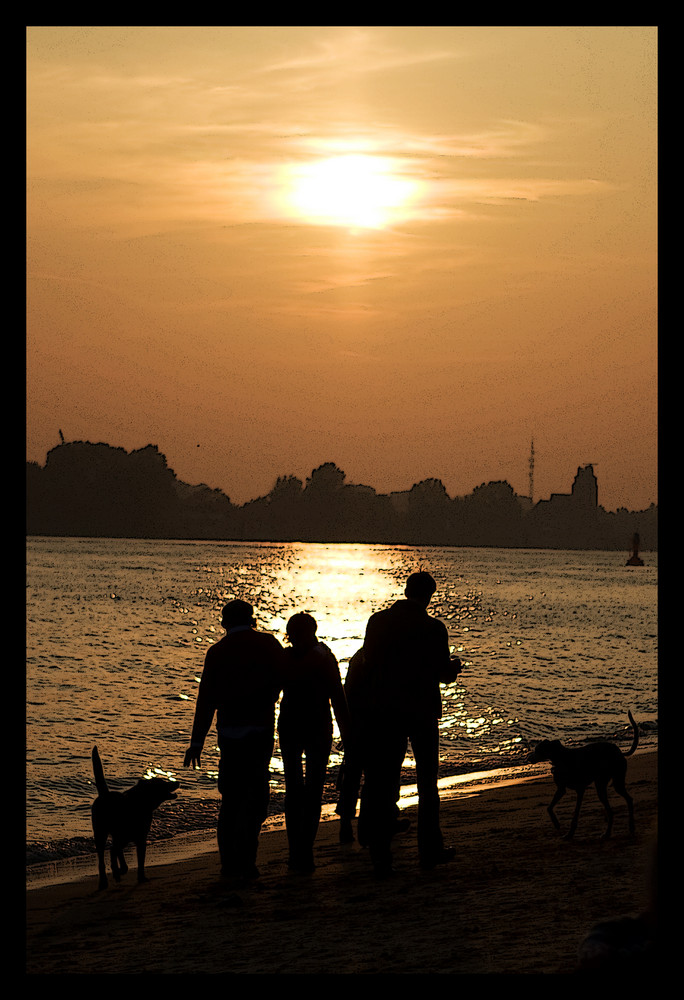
[598, 763]
[127, 816]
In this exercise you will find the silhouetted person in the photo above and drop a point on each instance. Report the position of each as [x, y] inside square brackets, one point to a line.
[407, 657]
[242, 679]
[352, 766]
[362, 716]
[305, 730]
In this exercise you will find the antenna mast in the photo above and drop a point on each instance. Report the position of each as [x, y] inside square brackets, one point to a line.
[532, 471]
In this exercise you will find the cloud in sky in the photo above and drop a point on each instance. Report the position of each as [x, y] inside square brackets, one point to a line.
[217, 144]
[161, 233]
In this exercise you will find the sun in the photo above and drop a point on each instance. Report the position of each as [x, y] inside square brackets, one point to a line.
[355, 190]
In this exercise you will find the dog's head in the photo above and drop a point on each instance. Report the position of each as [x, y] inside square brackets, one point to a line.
[545, 750]
[157, 790]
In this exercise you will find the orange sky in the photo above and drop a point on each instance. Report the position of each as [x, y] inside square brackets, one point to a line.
[407, 250]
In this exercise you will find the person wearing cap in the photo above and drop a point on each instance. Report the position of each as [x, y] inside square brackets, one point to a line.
[407, 657]
[242, 679]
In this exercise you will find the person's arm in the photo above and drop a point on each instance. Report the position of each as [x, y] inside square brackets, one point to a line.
[204, 713]
[192, 757]
[338, 700]
[452, 671]
[280, 663]
[450, 666]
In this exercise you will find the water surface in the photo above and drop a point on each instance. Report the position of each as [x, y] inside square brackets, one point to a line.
[555, 644]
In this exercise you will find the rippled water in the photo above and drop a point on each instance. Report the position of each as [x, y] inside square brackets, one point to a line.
[556, 644]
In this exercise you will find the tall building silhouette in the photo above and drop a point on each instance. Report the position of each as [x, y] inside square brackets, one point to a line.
[532, 472]
[585, 488]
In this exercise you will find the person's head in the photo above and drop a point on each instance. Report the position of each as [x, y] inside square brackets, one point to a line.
[301, 630]
[237, 613]
[420, 587]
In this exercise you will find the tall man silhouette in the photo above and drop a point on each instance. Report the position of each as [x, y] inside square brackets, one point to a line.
[407, 657]
[242, 679]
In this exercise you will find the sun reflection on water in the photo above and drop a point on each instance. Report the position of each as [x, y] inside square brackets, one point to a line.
[341, 585]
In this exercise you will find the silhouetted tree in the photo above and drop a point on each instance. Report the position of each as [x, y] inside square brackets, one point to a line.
[96, 490]
[285, 508]
[287, 489]
[325, 480]
[322, 504]
[428, 513]
[207, 513]
[493, 511]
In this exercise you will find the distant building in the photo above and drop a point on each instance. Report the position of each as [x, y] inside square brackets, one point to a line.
[585, 488]
[584, 494]
[569, 519]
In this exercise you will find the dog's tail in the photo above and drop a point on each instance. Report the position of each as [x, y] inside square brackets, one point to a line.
[99, 773]
[635, 741]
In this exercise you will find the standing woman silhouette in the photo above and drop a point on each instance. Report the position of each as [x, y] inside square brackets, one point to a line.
[312, 691]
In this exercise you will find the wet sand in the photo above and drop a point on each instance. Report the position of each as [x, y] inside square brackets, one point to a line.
[518, 899]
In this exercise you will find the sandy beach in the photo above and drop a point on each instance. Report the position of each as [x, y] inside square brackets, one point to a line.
[517, 900]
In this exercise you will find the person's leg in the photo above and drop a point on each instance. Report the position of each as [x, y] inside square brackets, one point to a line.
[351, 784]
[425, 745]
[244, 787]
[228, 790]
[258, 771]
[292, 751]
[317, 752]
[383, 756]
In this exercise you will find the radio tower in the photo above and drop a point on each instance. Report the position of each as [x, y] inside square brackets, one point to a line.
[532, 471]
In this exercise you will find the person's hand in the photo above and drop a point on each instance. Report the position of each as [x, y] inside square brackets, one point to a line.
[192, 756]
[457, 664]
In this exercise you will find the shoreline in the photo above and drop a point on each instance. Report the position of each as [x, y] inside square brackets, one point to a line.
[192, 843]
[186, 844]
[518, 898]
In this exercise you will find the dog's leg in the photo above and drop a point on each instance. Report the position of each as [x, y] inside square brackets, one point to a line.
[630, 809]
[119, 866]
[113, 859]
[141, 849]
[100, 847]
[602, 792]
[560, 792]
[575, 816]
[619, 787]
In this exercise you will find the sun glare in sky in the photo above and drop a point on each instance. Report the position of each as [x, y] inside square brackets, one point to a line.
[403, 249]
[356, 190]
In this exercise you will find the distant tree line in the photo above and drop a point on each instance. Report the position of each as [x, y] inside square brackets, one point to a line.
[95, 490]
